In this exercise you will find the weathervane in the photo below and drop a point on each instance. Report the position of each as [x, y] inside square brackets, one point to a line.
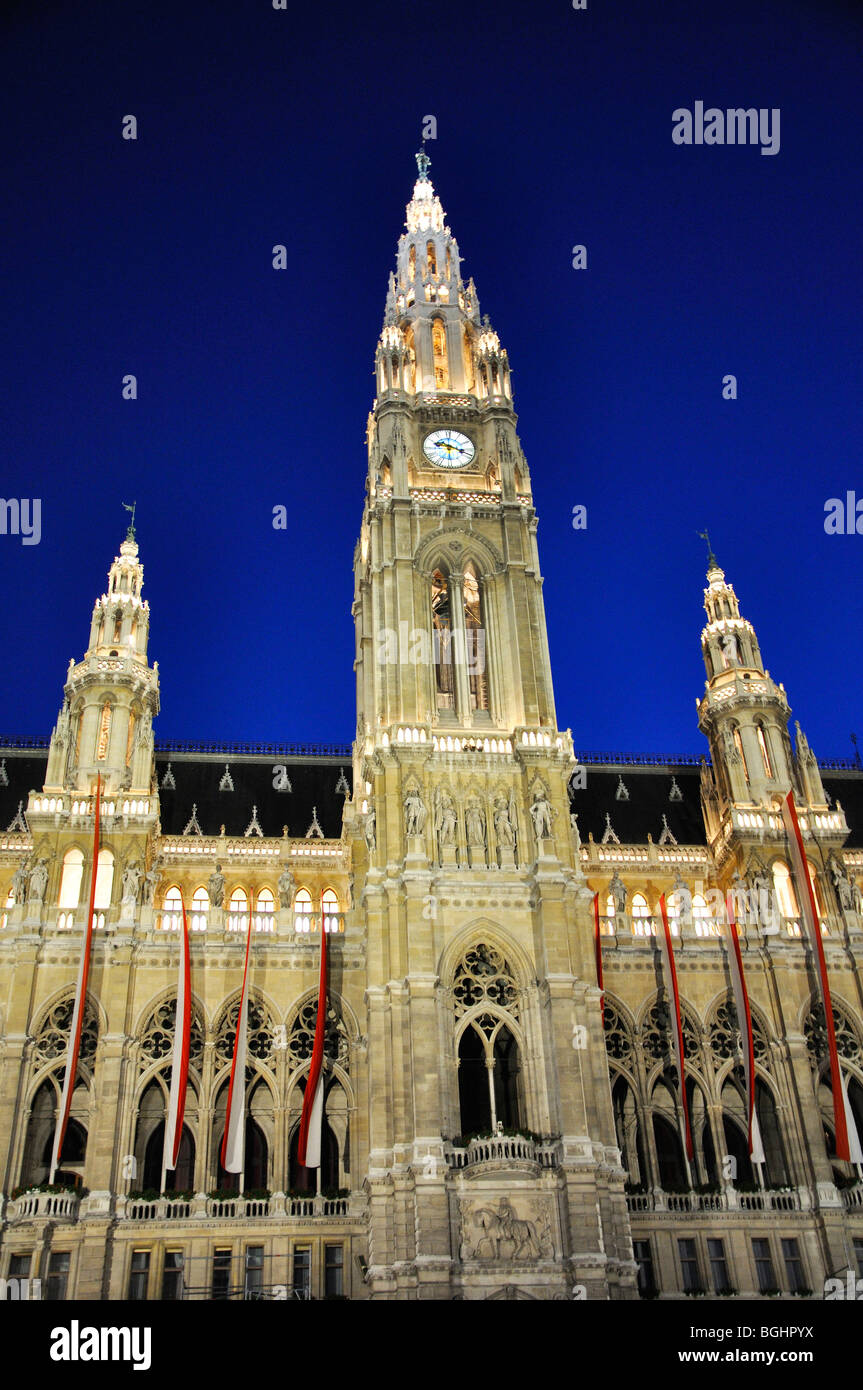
[711, 558]
[130, 534]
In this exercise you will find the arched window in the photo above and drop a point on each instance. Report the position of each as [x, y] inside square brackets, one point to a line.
[104, 881]
[303, 911]
[304, 1180]
[738, 744]
[628, 1132]
[439, 351]
[735, 1130]
[256, 1151]
[412, 263]
[10, 903]
[150, 1141]
[442, 641]
[776, 1170]
[642, 924]
[39, 1141]
[238, 911]
[70, 879]
[475, 638]
[104, 735]
[765, 752]
[704, 926]
[784, 889]
[172, 910]
[431, 258]
[666, 1134]
[200, 910]
[332, 922]
[130, 737]
[610, 909]
[265, 911]
[488, 1072]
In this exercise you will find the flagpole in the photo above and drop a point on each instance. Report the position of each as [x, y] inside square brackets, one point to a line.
[180, 1059]
[677, 1036]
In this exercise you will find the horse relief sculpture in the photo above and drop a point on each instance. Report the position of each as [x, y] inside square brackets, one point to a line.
[497, 1232]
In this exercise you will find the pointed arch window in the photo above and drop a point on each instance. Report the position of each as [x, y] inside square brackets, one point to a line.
[200, 909]
[238, 911]
[303, 911]
[442, 641]
[172, 909]
[765, 751]
[104, 732]
[130, 737]
[70, 879]
[10, 903]
[332, 921]
[412, 263]
[475, 640]
[439, 352]
[489, 1076]
[431, 258]
[104, 881]
[738, 744]
[265, 911]
[784, 889]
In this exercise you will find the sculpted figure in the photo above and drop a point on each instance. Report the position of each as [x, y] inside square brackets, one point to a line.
[369, 830]
[38, 880]
[415, 812]
[445, 819]
[617, 889]
[19, 882]
[474, 823]
[502, 823]
[540, 812]
[287, 887]
[151, 880]
[216, 887]
[131, 882]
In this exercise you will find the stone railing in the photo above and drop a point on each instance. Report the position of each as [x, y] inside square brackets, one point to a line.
[658, 1202]
[852, 1198]
[57, 1206]
[230, 1207]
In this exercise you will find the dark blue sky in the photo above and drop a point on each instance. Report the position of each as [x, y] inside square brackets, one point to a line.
[259, 126]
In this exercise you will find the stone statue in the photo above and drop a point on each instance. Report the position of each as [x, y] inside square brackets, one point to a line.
[841, 883]
[415, 812]
[216, 887]
[573, 821]
[131, 882]
[19, 882]
[369, 830]
[617, 889]
[731, 753]
[151, 880]
[729, 649]
[503, 827]
[474, 822]
[287, 888]
[38, 881]
[445, 819]
[540, 812]
[857, 897]
[683, 897]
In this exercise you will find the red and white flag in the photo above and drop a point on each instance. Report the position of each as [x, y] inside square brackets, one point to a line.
[744, 1019]
[80, 999]
[312, 1118]
[841, 1109]
[667, 953]
[598, 948]
[180, 1060]
[234, 1141]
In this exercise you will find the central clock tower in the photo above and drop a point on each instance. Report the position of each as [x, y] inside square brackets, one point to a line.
[465, 862]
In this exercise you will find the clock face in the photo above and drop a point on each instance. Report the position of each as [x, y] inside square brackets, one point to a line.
[448, 449]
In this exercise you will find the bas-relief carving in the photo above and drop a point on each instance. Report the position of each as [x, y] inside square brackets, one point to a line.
[503, 1231]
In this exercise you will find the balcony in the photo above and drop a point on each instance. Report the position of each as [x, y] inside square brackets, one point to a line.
[36, 1205]
[659, 1203]
[504, 1151]
[232, 1207]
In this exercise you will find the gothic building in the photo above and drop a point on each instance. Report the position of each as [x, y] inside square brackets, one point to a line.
[496, 1127]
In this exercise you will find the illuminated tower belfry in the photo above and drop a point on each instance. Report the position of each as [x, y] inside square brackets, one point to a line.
[464, 856]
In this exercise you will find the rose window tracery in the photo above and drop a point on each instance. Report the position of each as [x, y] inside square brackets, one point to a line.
[618, 1041]
[815, 1032]
[484, 976]
[656, 1034]
[259, 1037]
[302, 1035]
[52, 1040]
[725, 1036]
[157, 1040]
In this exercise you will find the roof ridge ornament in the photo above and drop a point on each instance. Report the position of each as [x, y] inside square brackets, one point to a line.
[253, 828]
[314, 829]
[18, 821]
[227, 782]
[193, 828]
[666, 837]
[168, 783]
[342, 784]
[608, 835]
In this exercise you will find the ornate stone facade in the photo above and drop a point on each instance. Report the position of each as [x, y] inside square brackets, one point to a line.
[494, 1128]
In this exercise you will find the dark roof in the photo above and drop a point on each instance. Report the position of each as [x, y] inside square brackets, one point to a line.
[312, 784]
[847, 787]
[20, 773]
[633, 819]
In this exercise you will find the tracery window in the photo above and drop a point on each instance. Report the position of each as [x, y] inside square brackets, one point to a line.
[489, 1075]
[104, 881]
[847, 1038]
[302, 1034]
[656, 1040]
[172, 909]
[157, 1038]
[332, 922]
[484, 976]
[725, 1039]
[738, 744]
[442, 641]
[238, 911]
[784, 889]
[765, 752]
[303, 911]
[618, 1039]
[642, 924]
[431, 258]
[265, 911]
[200, 909]
[52, 1040]
[259, 1035]
[475, 636]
